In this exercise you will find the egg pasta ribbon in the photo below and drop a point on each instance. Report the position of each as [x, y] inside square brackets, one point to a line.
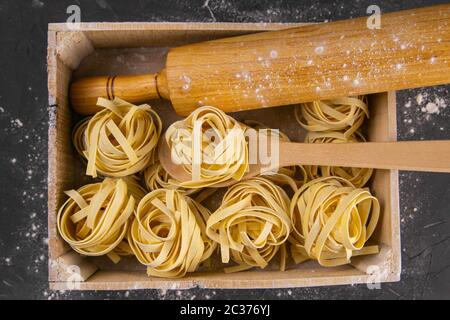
[168, 234]
[210, 145]
[94, 219]
[119, 140]
[332, 221]
[357, 176]
[155, 177]
[252, 224]
[344, 113]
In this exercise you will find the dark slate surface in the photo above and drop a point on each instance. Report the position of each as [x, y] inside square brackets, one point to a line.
[425, 198]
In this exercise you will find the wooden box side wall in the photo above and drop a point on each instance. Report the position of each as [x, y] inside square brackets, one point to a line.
[68, 48]
[62, 58]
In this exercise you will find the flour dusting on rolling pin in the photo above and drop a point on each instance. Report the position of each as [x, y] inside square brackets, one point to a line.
[307, 63]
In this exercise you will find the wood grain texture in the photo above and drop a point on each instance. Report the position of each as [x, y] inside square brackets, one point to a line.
[308, 276]
[431, 156]
[65, 170]
[132, 88]
[320, 61]
[313, 62]
[428, 156]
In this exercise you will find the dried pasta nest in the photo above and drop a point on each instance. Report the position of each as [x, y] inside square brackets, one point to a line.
[252, 224]
[95, 219]
[357, 176]
[211, 147]
[168, 234]
[156, 177]
[119, 140]
[345, 113]
[286, 177]
[332, 221]
[292, 176]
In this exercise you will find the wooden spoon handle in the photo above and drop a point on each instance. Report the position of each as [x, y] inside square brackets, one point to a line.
[407, 155]
[132, 88]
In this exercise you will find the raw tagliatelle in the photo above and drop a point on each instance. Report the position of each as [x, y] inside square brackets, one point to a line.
[119, 140]
[94, 220]
[211, 147]
[345, 113]
[294, 175]
[156, 177]
[357, 176]
[168, 234]
[252, 224]
[332, 221]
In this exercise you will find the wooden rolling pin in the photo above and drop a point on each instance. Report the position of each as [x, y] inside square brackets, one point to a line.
[318, 61]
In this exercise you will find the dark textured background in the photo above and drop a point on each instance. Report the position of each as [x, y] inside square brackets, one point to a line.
[424, 198]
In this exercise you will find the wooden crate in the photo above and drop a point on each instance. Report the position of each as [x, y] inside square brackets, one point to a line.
[110, 48]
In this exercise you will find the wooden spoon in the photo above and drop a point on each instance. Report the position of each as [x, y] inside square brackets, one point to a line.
[432, 156]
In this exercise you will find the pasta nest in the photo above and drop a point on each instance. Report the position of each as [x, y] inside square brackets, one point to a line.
[119, 140]
[345, 113]
[156, 177]
[94, 220]
[293, 176]
[332, 221]
[168, 234]
[252, 223]
[210, 146]
[357, 176]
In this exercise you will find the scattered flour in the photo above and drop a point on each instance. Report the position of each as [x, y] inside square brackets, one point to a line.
[440, 102]
[434, 107]
[187, 82]
[17, 122]
[319, 50]
[431, 108]
[419, 99]
[37, 4]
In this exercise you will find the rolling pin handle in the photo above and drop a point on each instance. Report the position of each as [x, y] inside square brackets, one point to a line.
[84, 92]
